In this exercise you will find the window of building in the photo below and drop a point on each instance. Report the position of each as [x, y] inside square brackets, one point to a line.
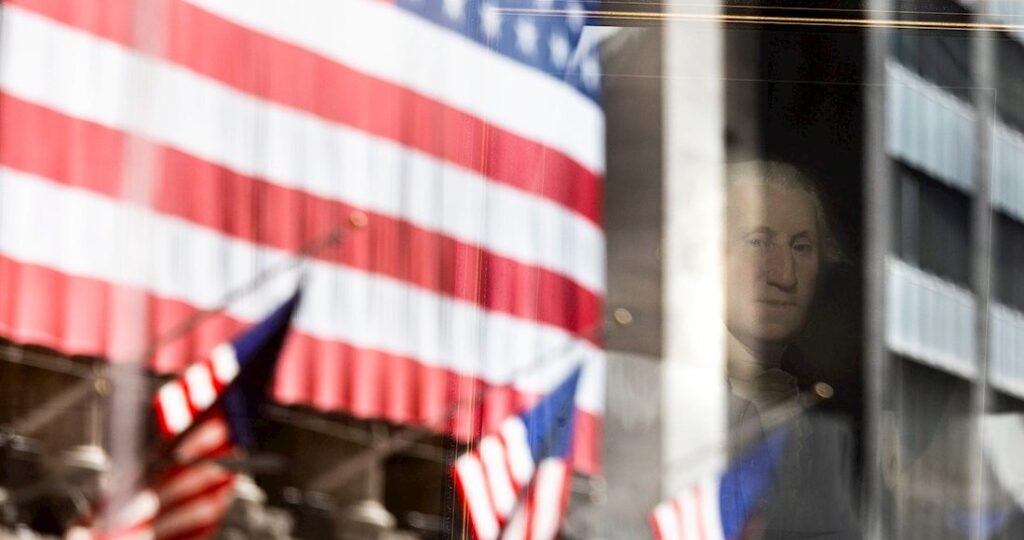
[939, 56]
[1009, 77]
[1008, 261]
[932, 225]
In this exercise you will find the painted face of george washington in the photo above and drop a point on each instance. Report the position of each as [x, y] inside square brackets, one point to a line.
[773, 256]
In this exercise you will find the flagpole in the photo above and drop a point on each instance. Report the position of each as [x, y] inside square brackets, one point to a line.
[93, 380]
[409, 436]
[42, 415]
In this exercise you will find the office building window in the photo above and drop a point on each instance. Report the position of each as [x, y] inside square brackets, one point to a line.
[931, 225]
[1010, 82]
[939, 56]
[1008, 261]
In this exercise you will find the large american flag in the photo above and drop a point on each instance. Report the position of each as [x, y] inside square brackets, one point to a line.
[227, 135]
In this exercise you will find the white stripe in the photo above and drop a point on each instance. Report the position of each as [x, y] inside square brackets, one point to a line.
[140, 508]
[471, 475]
[712, 512]
[80, 75]
[503, 494]
[199, 383]
[520, 459]
[397, 46]
[688, 519]
[72, 231]
[78, 533]
[546, 511]
[224, 363]
[667, 520]
[174, 407]
[516, 528]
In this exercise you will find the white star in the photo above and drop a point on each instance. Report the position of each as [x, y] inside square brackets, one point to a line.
[590, 71]
[454, 9]
[490, 19]
[558, 46]
[576, 15]
[526, 36]
[544, 4]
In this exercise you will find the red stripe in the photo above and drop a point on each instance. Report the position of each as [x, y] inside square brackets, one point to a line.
[85, 155]
[656, 531]
[197, 533]
[217, 484]
[244, 58]
[172, 473]
[328, 375]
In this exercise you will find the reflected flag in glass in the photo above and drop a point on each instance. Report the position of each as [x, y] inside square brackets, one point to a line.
[515, 482]
[187, 488]
[722, 506]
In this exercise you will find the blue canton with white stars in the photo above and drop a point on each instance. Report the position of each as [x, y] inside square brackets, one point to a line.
[543, 34]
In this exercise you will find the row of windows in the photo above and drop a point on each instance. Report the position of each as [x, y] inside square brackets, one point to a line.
[1010, 81]
[944, 57]
[932, 230]
[1008, 261]
[932, 225]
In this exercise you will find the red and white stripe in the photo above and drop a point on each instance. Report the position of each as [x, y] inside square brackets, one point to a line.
[691, 515]
[506, 494]
[195, 496]
[483, 251]
[187, 501]
[178, 402]
[492, 477]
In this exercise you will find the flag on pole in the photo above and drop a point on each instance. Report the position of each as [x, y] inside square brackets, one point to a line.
[720, 507]
[515, 482]
[207, 414]
[237, 372]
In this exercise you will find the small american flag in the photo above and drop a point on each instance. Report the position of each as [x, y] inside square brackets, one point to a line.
[187, 491]
[721, 506]
[515, 482]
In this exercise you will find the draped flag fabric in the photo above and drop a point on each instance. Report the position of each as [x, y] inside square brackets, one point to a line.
[175, 149]
[721, 507]
[515, 482]
[187, 491]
